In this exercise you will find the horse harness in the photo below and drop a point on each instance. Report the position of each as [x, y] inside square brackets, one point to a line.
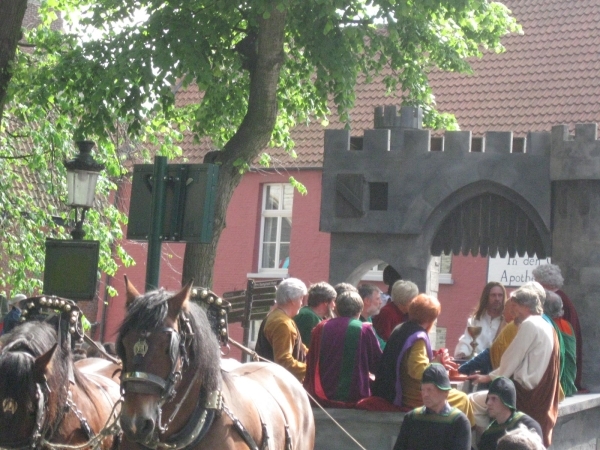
[204, 413]
[43, 432]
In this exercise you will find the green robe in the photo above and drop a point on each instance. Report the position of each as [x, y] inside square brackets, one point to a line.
[306, 320]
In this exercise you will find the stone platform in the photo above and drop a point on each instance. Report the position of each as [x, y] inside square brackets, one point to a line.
[577, 428]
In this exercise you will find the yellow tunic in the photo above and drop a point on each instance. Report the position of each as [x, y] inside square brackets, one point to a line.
[281, 331]
[502, 342]
[413, 364]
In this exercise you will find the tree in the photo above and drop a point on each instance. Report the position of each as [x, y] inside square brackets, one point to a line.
[262, 67]
[37, 129]
[11, 18]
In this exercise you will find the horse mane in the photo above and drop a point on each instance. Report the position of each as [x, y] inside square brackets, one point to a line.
[34, 338]
[149, 312]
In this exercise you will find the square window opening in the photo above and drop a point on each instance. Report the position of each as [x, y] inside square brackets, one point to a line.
[378, 196]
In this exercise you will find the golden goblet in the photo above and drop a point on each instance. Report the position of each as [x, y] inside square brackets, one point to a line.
[474, 332]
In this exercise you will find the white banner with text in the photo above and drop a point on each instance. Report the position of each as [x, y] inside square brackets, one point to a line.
[513, 272]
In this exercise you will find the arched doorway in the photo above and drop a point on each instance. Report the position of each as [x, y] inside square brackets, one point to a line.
[476, 227]
[488, 224]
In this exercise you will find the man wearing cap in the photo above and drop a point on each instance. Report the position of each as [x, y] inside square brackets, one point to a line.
[501, 405]
[11, 319]
[436, 425]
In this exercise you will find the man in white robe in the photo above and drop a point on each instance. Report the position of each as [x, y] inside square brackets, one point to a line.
[488, 316]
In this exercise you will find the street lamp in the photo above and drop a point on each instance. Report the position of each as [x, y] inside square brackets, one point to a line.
[82, 175]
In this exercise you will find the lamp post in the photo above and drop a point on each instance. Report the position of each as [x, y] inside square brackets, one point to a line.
[82, 175]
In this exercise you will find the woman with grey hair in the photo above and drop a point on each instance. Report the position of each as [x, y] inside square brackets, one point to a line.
[550, 276]
[553, 308]
[290, 290]
[279, 339]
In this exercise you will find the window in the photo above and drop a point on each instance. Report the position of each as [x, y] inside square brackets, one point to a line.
[378, 196]
[276, 228]
[446, 269]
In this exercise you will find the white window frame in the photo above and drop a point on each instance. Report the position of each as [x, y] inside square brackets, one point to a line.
[446, 277]
[266, 213]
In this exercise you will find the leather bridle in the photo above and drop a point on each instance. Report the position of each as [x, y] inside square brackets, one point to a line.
[210, 404]
[148, 383]
[41, 430]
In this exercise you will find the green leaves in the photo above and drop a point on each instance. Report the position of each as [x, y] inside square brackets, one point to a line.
[128, 71]
[298, 186]
[115, 76]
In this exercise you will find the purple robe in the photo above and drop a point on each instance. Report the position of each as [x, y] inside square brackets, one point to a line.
[331, 355]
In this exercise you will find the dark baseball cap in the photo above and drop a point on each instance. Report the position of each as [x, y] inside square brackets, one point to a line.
[504, 388]
[436, 373]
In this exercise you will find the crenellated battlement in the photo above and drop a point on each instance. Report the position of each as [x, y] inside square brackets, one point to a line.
[399, 131]
[413, 141]
[388, 117]
[398, 171]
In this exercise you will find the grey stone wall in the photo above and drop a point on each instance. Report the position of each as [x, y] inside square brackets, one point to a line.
[576, 427]
[576, 232]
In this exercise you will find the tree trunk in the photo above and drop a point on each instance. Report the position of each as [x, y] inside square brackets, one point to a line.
[250, 139]
[11, 19]
[199, 259]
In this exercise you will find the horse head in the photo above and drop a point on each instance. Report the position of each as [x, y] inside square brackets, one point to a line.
[26, 413]
[154, 343]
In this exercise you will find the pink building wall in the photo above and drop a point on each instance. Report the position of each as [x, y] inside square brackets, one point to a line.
[237, 253]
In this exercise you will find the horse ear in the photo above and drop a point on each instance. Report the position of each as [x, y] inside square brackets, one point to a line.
[177, 302]
[131, 292]
[43, 364]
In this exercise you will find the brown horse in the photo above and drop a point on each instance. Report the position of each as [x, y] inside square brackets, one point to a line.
[46, 399]
[177, 396]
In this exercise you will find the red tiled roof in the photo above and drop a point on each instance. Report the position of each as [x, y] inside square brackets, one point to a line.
[549, 75]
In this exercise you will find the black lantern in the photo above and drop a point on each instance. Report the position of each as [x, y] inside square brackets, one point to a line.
[82, 175]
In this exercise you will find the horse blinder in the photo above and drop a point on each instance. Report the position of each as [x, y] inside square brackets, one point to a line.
[147, 383]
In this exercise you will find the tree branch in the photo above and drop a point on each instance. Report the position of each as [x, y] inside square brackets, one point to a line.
[255, 131]
[29, 155]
